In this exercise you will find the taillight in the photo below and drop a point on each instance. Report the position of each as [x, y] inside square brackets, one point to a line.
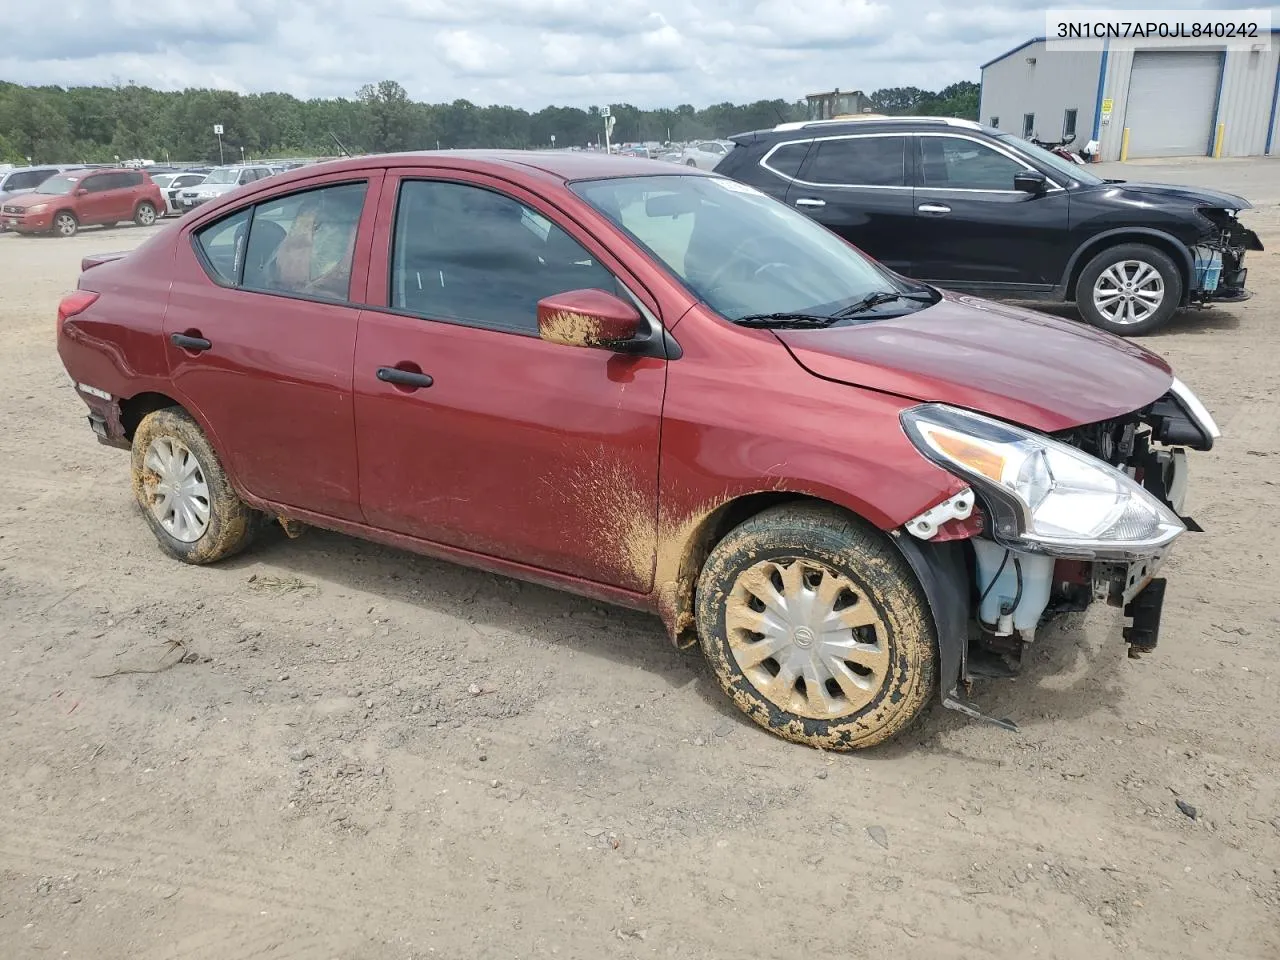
[73, 304]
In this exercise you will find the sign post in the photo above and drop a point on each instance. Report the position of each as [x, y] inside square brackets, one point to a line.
[609, 121]
[217, 129]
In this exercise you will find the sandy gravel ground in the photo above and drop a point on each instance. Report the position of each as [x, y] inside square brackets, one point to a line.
[325, 782]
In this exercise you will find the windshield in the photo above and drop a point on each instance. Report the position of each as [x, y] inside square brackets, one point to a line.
[58, 186]
[1051, 160]
[222, 175]
[162, 179]
[739, 251]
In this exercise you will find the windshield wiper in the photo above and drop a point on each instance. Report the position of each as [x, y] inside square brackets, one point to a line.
[786, 320]
[873, 300]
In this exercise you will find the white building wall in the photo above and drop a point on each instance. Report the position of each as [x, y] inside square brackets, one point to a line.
[1247, 103]
[1012, 87]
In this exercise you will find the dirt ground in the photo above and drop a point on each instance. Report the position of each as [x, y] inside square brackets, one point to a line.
[326, 782]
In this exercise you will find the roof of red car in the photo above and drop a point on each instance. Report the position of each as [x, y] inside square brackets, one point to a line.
[561, 164]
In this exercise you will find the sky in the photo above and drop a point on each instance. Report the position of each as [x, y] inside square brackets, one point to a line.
[526, 53]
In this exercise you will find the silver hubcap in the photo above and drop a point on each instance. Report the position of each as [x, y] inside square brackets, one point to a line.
[147, 216]
[807, 638]
[66, 225]
[177, 492]
[1128, 292]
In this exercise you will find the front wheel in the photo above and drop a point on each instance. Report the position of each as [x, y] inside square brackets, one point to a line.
[184, 493]
[1129, 290]
[65, 224]
[145, 215]
[817, 628]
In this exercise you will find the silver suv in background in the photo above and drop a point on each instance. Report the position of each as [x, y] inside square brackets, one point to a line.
[221, 180]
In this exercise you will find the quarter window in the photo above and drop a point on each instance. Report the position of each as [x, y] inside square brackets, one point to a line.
[787, 159]
[474, 256]
[222, 244]
[962, 164]
[858, 161]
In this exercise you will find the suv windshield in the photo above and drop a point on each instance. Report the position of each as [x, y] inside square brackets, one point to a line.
[738, 250]
[1050, 159]
[222, 175]
[58, 186]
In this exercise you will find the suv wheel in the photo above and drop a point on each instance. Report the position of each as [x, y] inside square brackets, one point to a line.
[184, 492]
[1130, 290]
[65, 224]
[145, 215]
[817, 628]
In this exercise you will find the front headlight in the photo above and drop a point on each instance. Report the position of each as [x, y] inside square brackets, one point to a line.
[37, 208]
[1043, 495]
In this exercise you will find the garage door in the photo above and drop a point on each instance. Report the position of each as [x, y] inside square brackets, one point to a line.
[1173, 96]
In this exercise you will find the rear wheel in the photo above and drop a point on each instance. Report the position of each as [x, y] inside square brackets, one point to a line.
[145, 215]
[184, 492]
[691, 163]
[1129, 290]
[65, 224]
[817, 628]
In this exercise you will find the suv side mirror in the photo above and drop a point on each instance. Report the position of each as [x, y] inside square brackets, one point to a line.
[588, 318]
[1030, 181]
[81, 191]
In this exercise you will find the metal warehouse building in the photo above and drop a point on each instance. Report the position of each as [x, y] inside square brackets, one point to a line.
[1145, 100]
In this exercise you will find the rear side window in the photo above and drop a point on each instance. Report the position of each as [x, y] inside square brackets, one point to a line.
[858, 161]
[27, 179]
[129, 179]
[98, 183]
[787, 158]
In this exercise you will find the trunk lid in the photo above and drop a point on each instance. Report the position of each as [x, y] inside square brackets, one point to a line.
[1040, 371]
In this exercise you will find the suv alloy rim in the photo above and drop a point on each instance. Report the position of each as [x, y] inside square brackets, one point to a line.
[807, 638]
[178, 491]
[1128, 292]
[66, 224]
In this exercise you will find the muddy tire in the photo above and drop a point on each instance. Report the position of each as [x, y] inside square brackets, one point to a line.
[184, 493]
[1129, 290]
[65, 224]
[817, 628]
[145, 215]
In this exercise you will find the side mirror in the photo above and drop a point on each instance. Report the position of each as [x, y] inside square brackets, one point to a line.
[1030, 181]
[588, 318]
[81, 191]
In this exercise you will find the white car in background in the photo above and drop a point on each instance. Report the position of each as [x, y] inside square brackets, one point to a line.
[705, 154]
[221, 180]
[171, 184]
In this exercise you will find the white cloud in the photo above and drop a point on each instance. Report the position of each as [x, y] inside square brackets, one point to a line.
[527, 53]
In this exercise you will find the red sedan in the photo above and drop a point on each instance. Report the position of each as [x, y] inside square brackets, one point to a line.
[659, 389]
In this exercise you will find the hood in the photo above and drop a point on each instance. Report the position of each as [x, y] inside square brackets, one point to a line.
[27, 199]
[214, 188]
[1024, 367]
[1196, 196]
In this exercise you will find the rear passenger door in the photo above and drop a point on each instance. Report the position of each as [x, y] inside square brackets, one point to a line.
[95, 204]
[859, 187]
[124, 194]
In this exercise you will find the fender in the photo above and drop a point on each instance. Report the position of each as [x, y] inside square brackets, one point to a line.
[1187, 260]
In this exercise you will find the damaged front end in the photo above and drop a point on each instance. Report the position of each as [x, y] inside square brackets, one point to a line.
[1218, 259]
[1052, 524]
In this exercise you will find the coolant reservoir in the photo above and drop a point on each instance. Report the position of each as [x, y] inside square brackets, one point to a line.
[1036, 575]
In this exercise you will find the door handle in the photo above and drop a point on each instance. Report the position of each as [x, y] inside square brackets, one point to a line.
[194, 344]
[810, 202]
[404, 378]
[934, 209]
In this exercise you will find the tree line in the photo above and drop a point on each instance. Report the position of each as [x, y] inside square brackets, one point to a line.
[100, 124]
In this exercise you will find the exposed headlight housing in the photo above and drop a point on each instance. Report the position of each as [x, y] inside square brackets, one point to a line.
[1044, 496]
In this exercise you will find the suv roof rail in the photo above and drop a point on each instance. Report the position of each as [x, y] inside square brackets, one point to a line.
[947, 121]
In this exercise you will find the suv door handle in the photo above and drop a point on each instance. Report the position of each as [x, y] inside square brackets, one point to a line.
[404, 378]
[810, 202]
[195, 344]
[934, 209]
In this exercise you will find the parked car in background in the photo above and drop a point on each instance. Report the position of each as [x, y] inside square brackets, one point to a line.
[77, 198]
[706, 154]
[221, 180]
[975, 209]
[672, 156]
[173, 185]
[902, 466]
[637, 150]
[20, 180]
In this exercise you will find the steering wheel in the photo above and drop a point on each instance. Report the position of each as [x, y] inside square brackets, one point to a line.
[735, 259]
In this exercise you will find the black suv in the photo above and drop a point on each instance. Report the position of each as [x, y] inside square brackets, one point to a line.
[971, 208]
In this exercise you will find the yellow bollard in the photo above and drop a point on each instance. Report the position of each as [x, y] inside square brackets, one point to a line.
[1219, 135]
[1124, 145]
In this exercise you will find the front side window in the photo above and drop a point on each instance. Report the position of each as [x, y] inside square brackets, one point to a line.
[303, 243]
[858, 161]
[475, 256]
[736, 249]
[958, 163]
[26, 179]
